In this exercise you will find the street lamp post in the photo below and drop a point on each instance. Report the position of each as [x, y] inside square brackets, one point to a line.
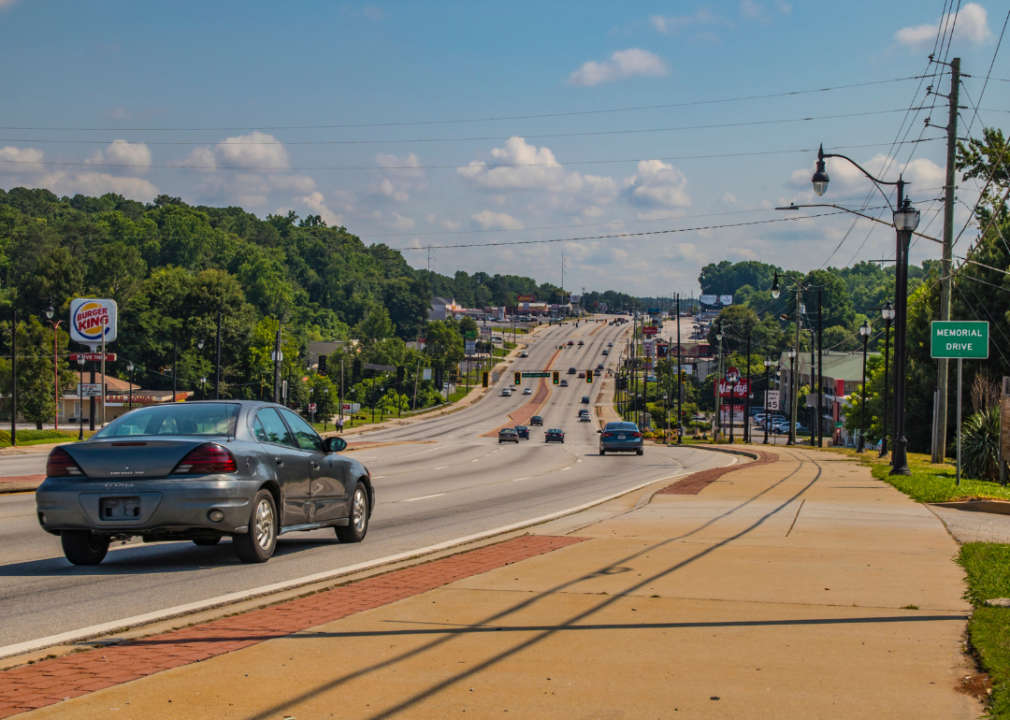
[906, 220]
[80, 393]
[768, 378]
[203, 388]
[56, 363]
[666, 412]
[129, 404]
[864, 330]
[887, 312]
[718, 393]
[792, 375]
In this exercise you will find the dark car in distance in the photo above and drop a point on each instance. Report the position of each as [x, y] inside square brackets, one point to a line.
[508, 435]
[202, 471]
[555, 435]
[536, 420]
[621, 437]
[523, 432]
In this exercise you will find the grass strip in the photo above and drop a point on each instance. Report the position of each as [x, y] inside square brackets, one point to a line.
[987, 567]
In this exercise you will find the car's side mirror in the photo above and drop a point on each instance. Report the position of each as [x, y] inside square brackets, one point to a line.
[335, 444]
[599, 432]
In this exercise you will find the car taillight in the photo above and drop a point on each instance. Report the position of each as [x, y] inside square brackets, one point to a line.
[636, 434]
[60, 464]
[207, 458]
[606, 435]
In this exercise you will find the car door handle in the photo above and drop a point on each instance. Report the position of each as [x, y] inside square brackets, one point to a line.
[315, 465]
[279, 461]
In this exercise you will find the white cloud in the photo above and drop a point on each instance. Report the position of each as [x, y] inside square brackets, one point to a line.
[407, 166]
[97, 183]
[317, 202]
[451, 225]
[401, 223]
[657, 183]
[622, 64]
[295, 183]
[20, 160]
[489, 220]
[255, 150]
[135, 155]
[923, 174]
[729, 198]
[971, 26]
[386, 188]
[754, 11]
[7, 3]
[674, 24]
[201, 157]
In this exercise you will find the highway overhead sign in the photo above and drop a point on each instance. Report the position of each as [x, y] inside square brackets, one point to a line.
[536, 375]
[965, 339]
[383, 368]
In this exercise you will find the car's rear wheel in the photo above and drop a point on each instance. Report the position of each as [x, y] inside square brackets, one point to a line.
[603, 452]
[206, 542]
[640, 451]
[357, 528]
[258, 544]
[83, 547]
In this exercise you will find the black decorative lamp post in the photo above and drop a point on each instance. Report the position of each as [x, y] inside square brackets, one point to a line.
[864, 330]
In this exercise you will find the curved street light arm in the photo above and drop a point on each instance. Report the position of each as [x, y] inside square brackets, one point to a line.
[900, 183]
[792, 206]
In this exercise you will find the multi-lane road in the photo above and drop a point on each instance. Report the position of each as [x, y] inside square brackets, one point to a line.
[437, 481]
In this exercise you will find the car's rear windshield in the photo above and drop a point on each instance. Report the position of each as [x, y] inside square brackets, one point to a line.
[622, 426]
[554, 431]
[178, 419]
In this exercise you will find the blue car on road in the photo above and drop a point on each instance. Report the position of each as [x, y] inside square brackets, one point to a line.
[621, 437]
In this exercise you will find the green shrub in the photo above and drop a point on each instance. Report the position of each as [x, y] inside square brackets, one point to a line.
[980, 445]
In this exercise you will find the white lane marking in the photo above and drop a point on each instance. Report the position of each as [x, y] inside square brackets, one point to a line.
[378, 477]
[73, 636]
[522, 478]
[579, 460]
[442, 467]
[566, 468]
[475, 460]
[424, 497]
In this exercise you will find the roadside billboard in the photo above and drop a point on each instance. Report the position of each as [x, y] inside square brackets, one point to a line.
[525, 298]
[92, 320]
[709, 299]
[726, 299]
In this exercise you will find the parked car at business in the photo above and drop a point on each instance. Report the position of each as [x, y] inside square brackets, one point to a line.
[554, 435]
[202, 471]
[621, 437]
[508, 435]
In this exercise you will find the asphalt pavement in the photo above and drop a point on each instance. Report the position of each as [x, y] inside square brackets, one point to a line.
[440, 480]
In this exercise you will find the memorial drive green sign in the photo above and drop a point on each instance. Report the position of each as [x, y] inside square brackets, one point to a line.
[959, 339]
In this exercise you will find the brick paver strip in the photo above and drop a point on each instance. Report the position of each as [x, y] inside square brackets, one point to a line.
[694, 484]
[50, 681]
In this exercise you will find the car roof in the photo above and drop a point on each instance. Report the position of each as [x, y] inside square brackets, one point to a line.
[555, 430]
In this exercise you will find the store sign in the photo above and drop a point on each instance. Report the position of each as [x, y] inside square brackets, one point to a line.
[525, 298]
[94, 357]
[89, 389]
[708, 299]
[726, 299]
[649, 330]
[738, 389]
[92, 321]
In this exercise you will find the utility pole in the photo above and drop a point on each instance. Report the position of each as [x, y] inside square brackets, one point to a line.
[794, 391]
[217, 376]
[820, 374]
[278, 357]
[940, 417]
[14, 379]
[680, 383]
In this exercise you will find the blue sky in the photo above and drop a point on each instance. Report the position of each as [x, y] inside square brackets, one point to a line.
[229, 103]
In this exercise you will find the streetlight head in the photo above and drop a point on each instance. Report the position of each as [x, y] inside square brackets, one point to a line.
[768, 362]
[820, 178]
[49, 309]
[791, 353]
[864, 329]
[906, 218]
[776, 290]
[129, 367]
[887, 312]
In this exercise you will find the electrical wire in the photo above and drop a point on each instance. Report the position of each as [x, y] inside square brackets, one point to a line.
[594, 133]
[618, 235]
[457, 166]
[474, 120]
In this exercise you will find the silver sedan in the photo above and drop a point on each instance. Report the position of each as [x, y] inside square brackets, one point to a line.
[202, 471]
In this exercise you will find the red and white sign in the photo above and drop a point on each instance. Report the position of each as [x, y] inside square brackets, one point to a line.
[96, 357]
[525, 298]
[312, 407]
[650, 330]
[740, 389]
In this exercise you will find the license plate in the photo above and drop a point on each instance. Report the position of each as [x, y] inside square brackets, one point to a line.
[621, 437]
[120, 508]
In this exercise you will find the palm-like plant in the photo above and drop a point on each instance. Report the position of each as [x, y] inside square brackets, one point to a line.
[980, 444]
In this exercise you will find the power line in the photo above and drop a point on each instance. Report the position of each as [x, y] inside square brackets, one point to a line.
[619, 235]
[476, 120]
[278, 168]
[595, 133]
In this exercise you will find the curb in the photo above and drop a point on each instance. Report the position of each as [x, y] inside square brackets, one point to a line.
[993, 507]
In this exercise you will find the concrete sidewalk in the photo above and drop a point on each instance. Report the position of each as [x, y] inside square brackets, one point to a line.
[797, 588]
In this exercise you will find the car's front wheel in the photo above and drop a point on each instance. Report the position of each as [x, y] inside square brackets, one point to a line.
[640, 451]
[257, 545]
[83, 547]
[357, 528]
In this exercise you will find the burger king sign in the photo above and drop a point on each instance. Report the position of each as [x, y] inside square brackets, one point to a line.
[92, 321]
